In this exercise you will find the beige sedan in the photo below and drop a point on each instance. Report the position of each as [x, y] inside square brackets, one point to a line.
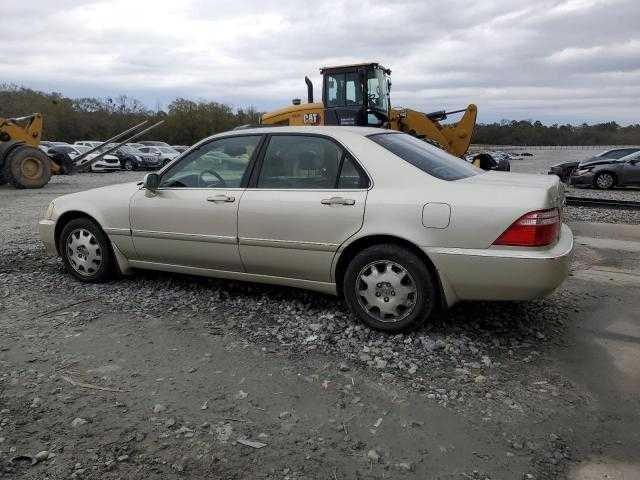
[397, 227]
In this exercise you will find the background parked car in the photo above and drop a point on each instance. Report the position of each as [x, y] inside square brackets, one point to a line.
[565, 170]
[65, 155]
[154, 143]
[88, 143]
[605, 173]
[180, 148]
[165, 154]
[133, 159]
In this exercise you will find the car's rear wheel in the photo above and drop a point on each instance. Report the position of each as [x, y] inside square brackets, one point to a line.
[389, 288]
[86, 251]
[604, 181]
[129, 165]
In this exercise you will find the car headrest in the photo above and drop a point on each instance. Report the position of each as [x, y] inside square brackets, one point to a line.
[234, 150]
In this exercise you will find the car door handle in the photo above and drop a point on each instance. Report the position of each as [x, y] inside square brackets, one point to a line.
[221, 198]
[338, 201]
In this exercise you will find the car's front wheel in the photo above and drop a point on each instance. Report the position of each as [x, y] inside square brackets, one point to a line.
[604, 181]
[129, 165]
[389, 288]
[86, 251]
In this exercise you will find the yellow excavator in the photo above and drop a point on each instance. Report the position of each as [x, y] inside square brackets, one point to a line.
[359, 95]
[22, 163]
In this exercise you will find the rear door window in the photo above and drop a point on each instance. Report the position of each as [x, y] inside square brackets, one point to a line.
[432, 160]
[300, 162]
[351, 176]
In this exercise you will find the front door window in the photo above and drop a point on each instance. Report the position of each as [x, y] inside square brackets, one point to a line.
[221, 163]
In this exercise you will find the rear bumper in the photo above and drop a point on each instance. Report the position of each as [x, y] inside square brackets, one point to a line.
[501, 273]
[47, 228]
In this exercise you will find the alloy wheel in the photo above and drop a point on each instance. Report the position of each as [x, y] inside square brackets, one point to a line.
[83, 252]
[386, 290]
[604, 181]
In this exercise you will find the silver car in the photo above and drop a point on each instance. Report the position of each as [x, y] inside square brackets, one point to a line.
[397, 227]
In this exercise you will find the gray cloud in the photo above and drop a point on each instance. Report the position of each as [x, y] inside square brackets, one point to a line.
[574, 60]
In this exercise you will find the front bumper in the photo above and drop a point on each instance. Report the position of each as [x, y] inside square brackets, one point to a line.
[585, 180]
[503, 273]
[47, 229]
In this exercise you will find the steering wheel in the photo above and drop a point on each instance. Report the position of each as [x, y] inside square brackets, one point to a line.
[215, 174]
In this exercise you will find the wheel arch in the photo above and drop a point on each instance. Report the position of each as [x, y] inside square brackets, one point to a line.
[65, 218]
[350, 251]
[616, 179]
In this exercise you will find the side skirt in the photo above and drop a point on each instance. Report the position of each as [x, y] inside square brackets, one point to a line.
[323, 287]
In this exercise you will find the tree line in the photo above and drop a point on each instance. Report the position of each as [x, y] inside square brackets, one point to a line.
[525, 132]
[187, 121]
[70, 119]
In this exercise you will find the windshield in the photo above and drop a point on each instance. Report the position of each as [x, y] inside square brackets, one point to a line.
[378, 89]
[426, 157]
[82, 148]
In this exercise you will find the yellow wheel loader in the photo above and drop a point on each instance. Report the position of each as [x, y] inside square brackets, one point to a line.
[359, 95]
[22, 163]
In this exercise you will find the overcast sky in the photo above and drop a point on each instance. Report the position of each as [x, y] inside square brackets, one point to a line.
[557, 61]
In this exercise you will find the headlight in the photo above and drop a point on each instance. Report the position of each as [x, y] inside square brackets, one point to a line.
[582, 171]
[48, 214]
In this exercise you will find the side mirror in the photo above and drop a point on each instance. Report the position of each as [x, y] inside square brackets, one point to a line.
[151, 181]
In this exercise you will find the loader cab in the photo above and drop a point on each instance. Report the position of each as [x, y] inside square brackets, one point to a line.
[356, 95]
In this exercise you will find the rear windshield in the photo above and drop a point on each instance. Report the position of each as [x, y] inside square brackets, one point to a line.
[426, 157]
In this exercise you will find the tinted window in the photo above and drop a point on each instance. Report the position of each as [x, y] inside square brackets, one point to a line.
[62, 149]
[353, 90]
[619, 153]
[218, 164]
[335, 90]
[343, 89]
[426, 157]
[351, 176]
[300, 162]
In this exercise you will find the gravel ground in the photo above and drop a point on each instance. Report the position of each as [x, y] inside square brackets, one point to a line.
[490, 364]
[464, 356]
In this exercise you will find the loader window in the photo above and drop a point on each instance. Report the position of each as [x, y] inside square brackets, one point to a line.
[353, 90]
[343, 89]
[378, 88]
[426, 157]
[335, 89]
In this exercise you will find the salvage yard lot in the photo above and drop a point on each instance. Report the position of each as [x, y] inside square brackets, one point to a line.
[160, 375]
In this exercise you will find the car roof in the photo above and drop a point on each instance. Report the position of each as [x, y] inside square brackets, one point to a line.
[618, 149]
[334, 131]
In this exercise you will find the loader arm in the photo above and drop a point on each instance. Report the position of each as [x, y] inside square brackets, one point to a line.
[455, 138]
[23, 129]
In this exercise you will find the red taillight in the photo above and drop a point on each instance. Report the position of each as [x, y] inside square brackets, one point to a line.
[535, 229]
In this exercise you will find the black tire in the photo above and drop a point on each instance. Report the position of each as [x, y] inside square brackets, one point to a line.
[27, 167]
[129, 165]
[93, 272]
[424, 299]
[604, 181]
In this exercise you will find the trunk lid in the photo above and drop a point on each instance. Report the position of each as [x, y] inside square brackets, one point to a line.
[548, 185]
